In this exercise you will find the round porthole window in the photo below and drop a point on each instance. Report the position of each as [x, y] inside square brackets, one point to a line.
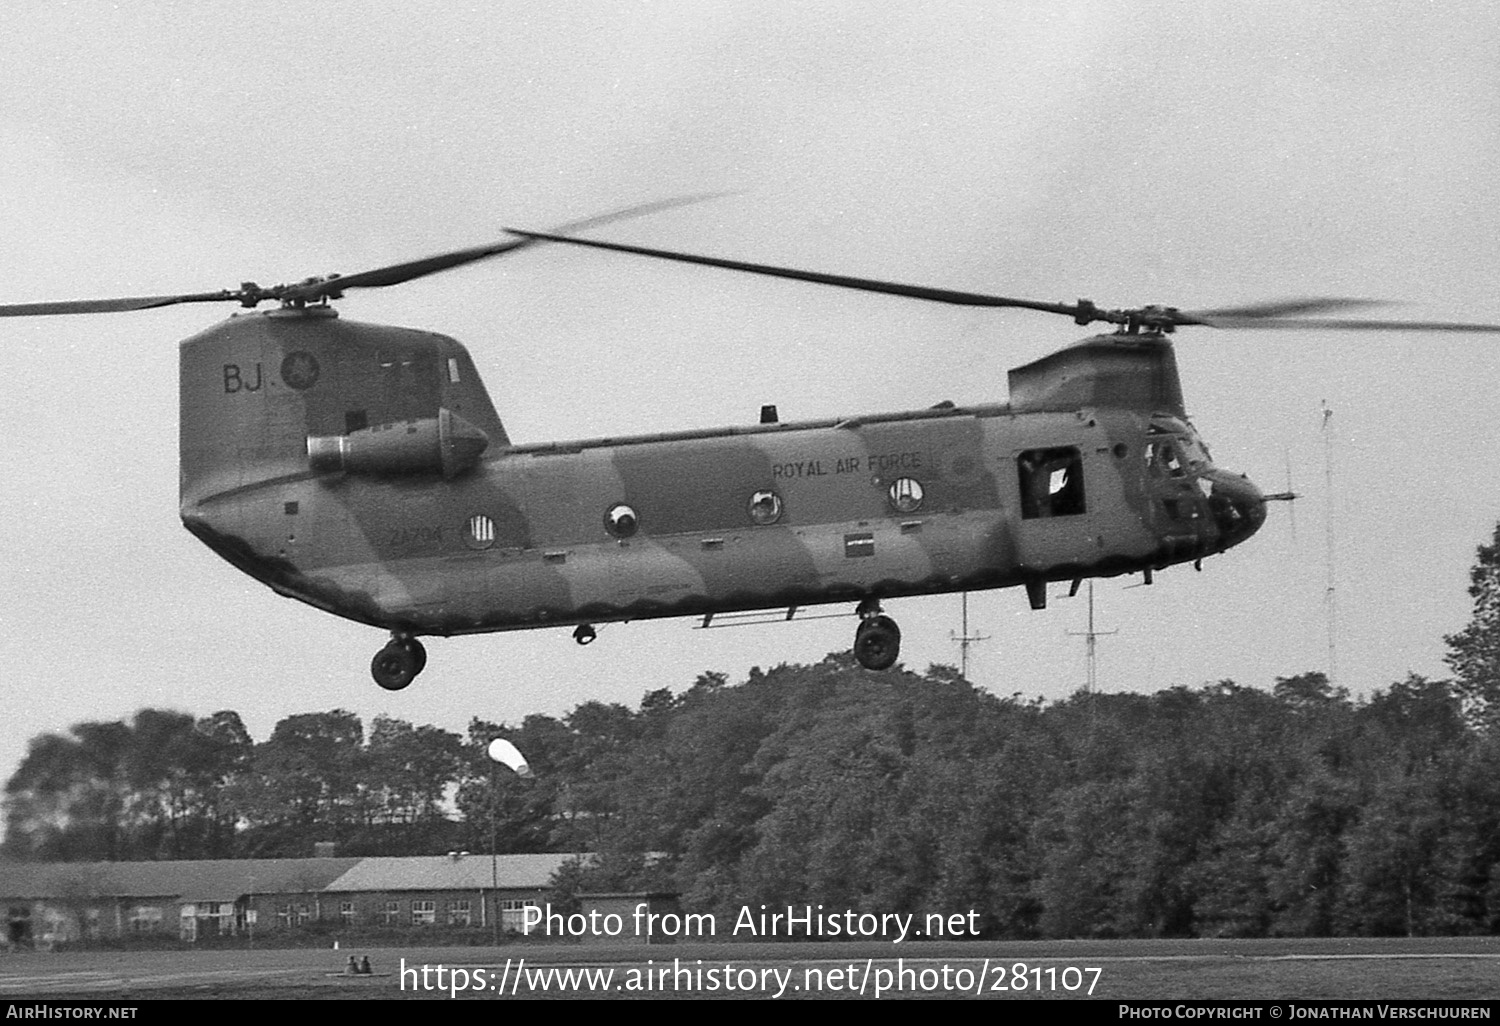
[621, 521]
[905, 494]
[479, 532]
[765, 508]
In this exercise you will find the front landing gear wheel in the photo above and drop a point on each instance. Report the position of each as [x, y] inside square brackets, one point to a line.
[877, 643]
[398, 664]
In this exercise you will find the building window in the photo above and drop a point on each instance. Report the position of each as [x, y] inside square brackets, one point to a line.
[145, 918]
[513, 913]
[219, 917]
[391, 916]
[346, 913]
[423, 913]
[459, 913]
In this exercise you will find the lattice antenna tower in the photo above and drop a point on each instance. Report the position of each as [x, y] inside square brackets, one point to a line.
[965, 639]
[1330, 592]
[1091, 644]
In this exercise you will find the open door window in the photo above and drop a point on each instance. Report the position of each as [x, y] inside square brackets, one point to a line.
[1051, 482]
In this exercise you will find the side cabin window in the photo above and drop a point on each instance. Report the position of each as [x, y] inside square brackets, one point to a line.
[1051, 482]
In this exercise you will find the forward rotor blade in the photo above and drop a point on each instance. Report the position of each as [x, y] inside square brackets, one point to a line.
[84, 306]
[818, 277]
[1345, 324]
[1269, 315]
[1278, 308]
[395, 274]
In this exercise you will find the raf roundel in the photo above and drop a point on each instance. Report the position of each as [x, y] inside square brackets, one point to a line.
[300, 370]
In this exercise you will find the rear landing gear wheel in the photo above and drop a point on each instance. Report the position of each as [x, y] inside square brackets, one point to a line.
[877, 642]
[398, 663]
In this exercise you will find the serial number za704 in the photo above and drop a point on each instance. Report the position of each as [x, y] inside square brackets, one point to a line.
[1020, 977]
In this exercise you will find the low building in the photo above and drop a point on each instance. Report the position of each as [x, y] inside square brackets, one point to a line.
[47, 903]
[455, 890]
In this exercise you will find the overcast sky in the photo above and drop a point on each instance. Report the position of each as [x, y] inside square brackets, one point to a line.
[1189, 154]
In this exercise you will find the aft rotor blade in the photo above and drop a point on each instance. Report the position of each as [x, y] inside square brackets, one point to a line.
[395, 274]
[86, 306]
[818, 277]
[314, 289]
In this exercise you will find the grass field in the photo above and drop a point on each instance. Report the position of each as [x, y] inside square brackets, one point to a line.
[1429, 968]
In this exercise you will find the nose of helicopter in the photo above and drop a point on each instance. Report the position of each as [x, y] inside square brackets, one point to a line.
[1239, 507]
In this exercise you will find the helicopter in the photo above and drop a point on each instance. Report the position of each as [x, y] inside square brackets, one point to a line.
[363, 469]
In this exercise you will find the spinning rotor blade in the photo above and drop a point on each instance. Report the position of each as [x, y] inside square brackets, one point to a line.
[842, 281]
[1349, 324]
[1278, 308]
[79, 306]
[1082, 312]
[395, 274]
[1267, 315]
[315, 289]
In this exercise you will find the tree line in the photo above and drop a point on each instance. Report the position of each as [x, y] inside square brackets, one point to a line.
[1220, 810]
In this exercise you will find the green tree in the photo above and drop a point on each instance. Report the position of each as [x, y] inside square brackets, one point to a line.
[1474, 652]
[154, 787]
[1390, 886]
[408, 771]
[306, 784]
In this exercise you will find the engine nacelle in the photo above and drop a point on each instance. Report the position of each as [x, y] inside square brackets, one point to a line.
[446, 444]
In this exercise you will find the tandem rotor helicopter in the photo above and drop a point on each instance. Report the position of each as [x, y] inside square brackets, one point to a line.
[362, 469]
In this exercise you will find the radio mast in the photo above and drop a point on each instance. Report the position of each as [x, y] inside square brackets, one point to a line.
[1091, 644]
[965, 639]
[1330, 594]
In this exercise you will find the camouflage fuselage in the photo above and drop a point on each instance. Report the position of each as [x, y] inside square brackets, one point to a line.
[436, 538]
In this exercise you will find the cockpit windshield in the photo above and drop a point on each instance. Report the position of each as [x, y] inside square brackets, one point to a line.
[1191, 490]
[1173, 448]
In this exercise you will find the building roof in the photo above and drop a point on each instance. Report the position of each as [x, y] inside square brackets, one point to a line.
[186, 880]
[231, 879]
[451, 873]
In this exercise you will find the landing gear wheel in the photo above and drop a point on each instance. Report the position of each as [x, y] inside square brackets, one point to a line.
[877, 643]
[398, 663]
[584, 633]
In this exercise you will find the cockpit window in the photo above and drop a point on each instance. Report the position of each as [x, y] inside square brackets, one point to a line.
[1163, 457]
[1051, 482]
[1173, 447]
